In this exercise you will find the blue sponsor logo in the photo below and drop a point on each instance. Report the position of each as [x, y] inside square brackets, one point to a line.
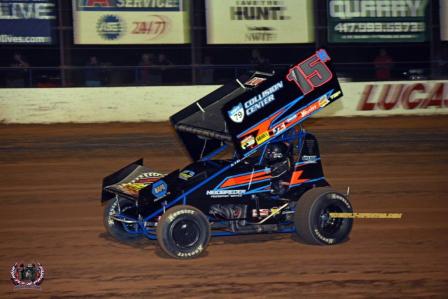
[236, 114]
[159, 188]
[110, 27]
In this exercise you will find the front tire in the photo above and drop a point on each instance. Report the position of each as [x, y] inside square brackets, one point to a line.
[312, 221]
[183, 232]
[119, 230]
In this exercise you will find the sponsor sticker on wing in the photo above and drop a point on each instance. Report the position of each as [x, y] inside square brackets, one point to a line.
[262, 137]
[236, 114]
[336, 94]
[310, 109]
[254, 81]
[278, 129]
[140, 182]
[248, 142]
[323, 101]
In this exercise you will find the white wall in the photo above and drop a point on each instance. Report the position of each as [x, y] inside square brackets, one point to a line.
[89, 105]
[137, 104]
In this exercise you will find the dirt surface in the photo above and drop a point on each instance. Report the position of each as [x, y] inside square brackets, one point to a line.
[50, 180]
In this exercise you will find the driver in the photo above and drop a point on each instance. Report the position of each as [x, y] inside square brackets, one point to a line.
[279, 161]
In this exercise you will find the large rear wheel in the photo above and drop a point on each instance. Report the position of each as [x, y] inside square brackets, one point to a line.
[312, 217]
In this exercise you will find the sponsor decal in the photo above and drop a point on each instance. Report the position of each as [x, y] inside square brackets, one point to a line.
[254, 81]
[260, 213]
[197, 251]
[186, 174]
[110, 27]
[225, 193]
[309, 159]
[254, 104]
[180, 212]
[340, 198]
[159, 189]
[310, 109]
[319, 235]
[323, 101]
[278, 129]
[262, 137]
[335, 95]
[140, 182]
[236, 162]
[291, 118]
[236, 114]
[265, 212]
[248, 142]
[408, 96]
[261, 100]
[27, 276]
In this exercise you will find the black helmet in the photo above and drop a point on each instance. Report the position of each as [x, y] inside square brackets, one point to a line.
[276, 151]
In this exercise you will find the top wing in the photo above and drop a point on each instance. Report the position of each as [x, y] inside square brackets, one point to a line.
[281, 102]
[257, 108]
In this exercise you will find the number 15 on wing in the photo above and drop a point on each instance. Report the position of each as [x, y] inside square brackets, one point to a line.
[311, 73]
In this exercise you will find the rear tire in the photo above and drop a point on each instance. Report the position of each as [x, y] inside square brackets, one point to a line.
[118, 229]
[312, 221]
[183, 232]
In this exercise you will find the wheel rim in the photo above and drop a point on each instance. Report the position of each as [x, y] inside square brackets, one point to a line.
[185, 233]
[329, 226]
[122, 209]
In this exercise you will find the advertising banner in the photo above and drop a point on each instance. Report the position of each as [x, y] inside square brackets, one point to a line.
[130, 22]
[444, 20]
[377, 21]
[27, 21]
[259, 21]
[391, 98]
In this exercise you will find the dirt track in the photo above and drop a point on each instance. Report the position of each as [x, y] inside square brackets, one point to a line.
[50, 212]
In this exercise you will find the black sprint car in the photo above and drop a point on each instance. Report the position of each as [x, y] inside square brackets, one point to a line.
[273, 181]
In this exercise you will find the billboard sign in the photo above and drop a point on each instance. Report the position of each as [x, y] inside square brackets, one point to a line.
[27, 21]
[259, 21]
[391, 98]
[130, 22]
[377, 21]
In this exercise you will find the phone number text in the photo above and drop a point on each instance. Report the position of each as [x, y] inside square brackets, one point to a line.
[380, 27]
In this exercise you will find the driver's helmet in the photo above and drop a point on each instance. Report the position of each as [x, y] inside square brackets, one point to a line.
[276, 151]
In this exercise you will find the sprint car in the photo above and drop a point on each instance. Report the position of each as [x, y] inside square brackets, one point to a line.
[270, 181]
